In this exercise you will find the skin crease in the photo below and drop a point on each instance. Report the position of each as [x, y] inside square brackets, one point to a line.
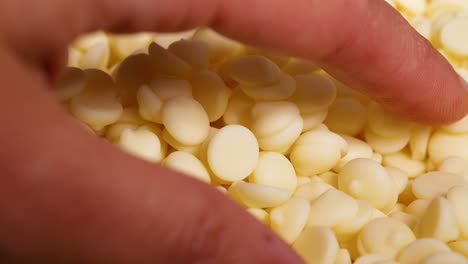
[69, 197]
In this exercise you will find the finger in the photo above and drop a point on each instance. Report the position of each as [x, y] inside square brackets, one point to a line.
[365, 44]
[69, 197]
[368, 46]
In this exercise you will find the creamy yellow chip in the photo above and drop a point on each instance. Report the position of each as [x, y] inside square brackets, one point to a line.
[458, 197]
[194, 52]
[460, 246]
[420, 249]
[274, 169]
[233, 153]
[314, 93]
[142, 143]
[317, 245]
[445, 258]
[211, 92]
[443, 145]
[268, 118]
[283, 140]
[325, 212]
[167, 63]
[366, 179]
[402, 160]
[220, 47]
[258, 196]
[260, 214]
[254, 70]
[289, 219]
[96, 111]
[439, 221]
[384, 236]
[238, 109]
[186, 120]
[312, 190]
[123, 45]
[188, 164]
[346, 116]
[71, 84]
[433, 184]
[419, 141]
[386, 145]
[386, 124]
[418, 207]
[349, 229]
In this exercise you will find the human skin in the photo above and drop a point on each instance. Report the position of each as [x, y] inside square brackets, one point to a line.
[68, 197]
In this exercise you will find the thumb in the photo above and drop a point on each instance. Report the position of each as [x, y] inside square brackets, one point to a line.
[68, 197]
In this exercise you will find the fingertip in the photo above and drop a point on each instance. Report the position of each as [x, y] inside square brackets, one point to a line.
[459, 107]
[463, 85]
[443, 91]
[444, 107]
[442, 104]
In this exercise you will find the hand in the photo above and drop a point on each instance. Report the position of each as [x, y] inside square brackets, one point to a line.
[68, 197]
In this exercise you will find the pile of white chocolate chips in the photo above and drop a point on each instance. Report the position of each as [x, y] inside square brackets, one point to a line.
[331, 172]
